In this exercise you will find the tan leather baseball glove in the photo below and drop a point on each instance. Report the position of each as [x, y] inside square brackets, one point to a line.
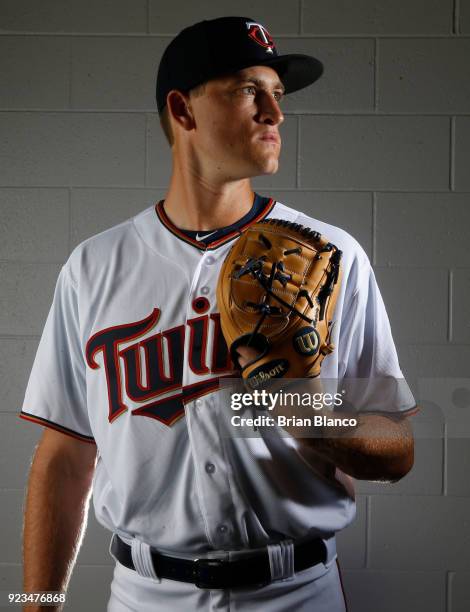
[276, 294]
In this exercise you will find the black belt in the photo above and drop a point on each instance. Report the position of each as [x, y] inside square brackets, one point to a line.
[249, 571]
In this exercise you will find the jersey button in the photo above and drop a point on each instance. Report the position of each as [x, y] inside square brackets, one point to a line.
[205, 290]
[210, 260]
[222, 528]
[210, 468]
[199, 403]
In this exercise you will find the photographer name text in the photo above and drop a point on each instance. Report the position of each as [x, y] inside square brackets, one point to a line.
[285, 421]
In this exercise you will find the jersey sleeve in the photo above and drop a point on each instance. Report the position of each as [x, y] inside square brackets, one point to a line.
[56, 392]
[371, 371]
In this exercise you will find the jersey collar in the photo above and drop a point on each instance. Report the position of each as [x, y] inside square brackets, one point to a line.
[210, 246]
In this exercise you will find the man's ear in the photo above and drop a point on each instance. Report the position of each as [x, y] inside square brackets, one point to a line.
[179, 107]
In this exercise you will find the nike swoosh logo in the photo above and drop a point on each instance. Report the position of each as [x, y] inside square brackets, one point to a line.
[204, 236]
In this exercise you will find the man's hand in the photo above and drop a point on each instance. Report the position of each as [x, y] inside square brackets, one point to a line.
[247, 354]
[55, 511]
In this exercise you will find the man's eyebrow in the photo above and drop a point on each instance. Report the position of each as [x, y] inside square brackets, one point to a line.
[260, 82]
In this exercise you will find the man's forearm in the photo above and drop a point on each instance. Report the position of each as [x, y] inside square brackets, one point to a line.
[377, 448]
[55, 513]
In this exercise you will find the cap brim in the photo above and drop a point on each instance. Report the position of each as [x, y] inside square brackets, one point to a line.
[296, 71]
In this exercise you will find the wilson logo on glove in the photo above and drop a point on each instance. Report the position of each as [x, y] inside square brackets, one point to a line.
[273, 369]
[307, 341]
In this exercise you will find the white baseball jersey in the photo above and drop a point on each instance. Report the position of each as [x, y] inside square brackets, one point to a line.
[130, 358]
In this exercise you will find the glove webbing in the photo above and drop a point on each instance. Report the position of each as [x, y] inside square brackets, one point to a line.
[255, 268]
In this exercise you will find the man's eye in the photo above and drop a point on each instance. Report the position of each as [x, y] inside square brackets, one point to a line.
[251, 91]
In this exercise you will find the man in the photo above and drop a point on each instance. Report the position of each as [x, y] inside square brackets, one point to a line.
[129, 363]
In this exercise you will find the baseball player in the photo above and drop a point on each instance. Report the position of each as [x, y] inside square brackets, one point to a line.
[126, 377]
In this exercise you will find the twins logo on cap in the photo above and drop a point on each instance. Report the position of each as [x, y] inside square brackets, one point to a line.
[260, 35]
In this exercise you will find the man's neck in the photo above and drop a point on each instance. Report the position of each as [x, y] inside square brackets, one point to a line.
[197, 205]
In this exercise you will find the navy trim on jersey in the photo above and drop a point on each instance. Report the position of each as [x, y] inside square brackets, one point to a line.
[262, 206]
[46, 423]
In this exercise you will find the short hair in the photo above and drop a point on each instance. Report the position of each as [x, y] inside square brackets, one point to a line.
[165, 115]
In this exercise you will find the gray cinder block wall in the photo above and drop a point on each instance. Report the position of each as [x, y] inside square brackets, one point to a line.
[380, 146]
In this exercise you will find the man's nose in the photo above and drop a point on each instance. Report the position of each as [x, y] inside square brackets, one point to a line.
[269, 110]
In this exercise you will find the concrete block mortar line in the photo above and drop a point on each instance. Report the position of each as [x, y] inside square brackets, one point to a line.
[368, 531]
[452, 155]
[148, 15]
[374, 228]
[32, 262]
[306, 113]
[110, 564]
[297, 155]
[450, 290]
[399, 114]
[94, 187]
[444, 461]
[70, 62]
[146, 150]
[448, 591]
[376, 76]
[361, 113]
[171, 35]
[456, 17]
[286, 189]
[20, 337]
[8, 564]
[69, 204]
[75, 111]
[430, 344]
[78, 564]
[424, 345]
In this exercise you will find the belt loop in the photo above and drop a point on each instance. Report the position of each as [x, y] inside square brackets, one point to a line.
[142, 558]
[330, 544]
[110, 550]
[281, 560]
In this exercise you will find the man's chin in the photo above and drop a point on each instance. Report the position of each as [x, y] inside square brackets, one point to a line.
[268, 168]
[260, 167]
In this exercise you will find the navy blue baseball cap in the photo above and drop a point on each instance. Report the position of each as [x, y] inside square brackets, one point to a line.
[209, 49]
